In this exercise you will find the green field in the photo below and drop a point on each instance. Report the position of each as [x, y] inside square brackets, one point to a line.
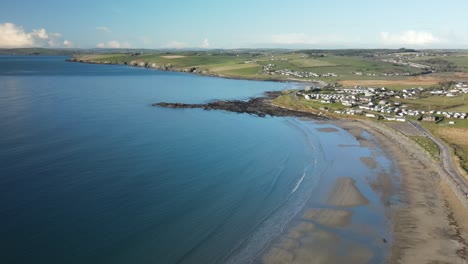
[434, 102]
[427, 145]
[249, 64]
[455, 136]
[234, 64]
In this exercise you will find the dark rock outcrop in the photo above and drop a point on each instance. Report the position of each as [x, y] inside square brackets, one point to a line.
[260, 106]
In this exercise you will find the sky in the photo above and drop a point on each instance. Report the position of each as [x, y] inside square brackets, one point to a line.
[179, 24]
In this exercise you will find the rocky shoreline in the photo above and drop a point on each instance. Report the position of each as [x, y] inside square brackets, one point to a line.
[260, 106]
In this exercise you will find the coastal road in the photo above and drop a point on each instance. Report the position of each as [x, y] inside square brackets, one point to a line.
[446, 159]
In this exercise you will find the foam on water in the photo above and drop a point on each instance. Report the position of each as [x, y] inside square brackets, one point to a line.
[298, 183]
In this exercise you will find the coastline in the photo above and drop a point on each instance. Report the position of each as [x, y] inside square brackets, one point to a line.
[429, 222]
[210, 74]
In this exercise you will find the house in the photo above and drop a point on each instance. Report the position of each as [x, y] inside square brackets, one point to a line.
[429, 118]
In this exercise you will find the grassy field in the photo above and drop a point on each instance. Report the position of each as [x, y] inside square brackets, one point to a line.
[234, 64]
[434, 102]
[460, 60]
[427, 145]
[456, 136]
[248, 65]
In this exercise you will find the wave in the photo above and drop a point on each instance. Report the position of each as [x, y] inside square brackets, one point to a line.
[298, 183]
[258, 239]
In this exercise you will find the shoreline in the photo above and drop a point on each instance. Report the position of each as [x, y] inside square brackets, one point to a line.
[425, 225]
[210, 74]
[428, 224]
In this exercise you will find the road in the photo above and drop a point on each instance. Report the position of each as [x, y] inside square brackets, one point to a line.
[294, 97]
[446, 159]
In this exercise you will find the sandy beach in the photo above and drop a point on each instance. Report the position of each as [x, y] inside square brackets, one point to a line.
[427, 221]
[430, 223]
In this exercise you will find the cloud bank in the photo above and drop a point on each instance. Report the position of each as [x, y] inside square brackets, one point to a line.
[114, 44]
[13, 36]
[175, 45]
[410, 37]
[205, 44]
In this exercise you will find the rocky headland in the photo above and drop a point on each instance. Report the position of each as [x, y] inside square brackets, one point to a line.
[260, 106]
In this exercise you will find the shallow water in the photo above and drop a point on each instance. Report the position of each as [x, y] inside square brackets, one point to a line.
[91, 173]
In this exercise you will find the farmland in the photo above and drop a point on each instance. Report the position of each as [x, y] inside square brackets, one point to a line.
[387, 68]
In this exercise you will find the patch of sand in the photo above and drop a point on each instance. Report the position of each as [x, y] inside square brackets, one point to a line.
[460, 214]
[345, 194]
[384, 186]
[315, 246]
[357, 133]
[327, 129]
[369, 162]
[329, 217]
[173, 56]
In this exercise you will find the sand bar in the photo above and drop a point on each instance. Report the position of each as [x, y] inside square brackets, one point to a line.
[345, 194]
[329, 217]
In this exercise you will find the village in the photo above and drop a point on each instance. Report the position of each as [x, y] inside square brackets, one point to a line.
[269, 70]
[383, 103]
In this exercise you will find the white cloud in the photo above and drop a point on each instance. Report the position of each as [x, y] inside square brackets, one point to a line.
[40, 33]
[68, 44]
[114, 44]
[410, 37]
[53, 43]
[12, 36]
[293, 38]
[175, 45]
[205, 44]
[104, 29]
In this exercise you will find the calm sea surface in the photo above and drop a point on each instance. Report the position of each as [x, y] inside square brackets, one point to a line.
[90, 172]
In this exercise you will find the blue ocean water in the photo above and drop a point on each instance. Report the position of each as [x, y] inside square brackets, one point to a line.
[90, 172]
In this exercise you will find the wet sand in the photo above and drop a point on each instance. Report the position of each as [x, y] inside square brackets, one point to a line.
[345, 194]
[327, 129]
[429, 224]
[426, 224]
[369, 162]
[329, 217]
[308, 240]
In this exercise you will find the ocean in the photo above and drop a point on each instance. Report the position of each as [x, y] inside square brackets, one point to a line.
[90, 172]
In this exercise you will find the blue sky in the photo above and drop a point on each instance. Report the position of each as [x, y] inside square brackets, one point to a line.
[234, 24]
